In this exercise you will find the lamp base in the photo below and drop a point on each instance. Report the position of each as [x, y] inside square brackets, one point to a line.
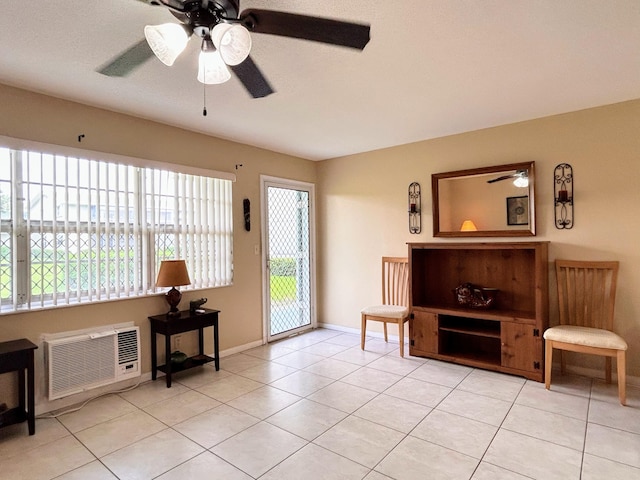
[173, 298]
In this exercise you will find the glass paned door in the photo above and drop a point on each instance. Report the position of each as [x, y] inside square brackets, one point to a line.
[288, 274]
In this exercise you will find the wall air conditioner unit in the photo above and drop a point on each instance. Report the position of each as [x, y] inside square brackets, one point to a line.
[81, 362]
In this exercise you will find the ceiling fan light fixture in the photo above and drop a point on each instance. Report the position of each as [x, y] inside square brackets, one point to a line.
[233, 42]
[521, 181]
[211, 68]
[167, 41]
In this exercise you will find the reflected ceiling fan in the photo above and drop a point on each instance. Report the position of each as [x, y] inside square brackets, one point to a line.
[520, 178]
[225, 35]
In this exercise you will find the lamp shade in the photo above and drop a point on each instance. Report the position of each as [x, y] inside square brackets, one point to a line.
[167, 41]
[173, 273]
[468, 226]
[211, 67]
[232, 41]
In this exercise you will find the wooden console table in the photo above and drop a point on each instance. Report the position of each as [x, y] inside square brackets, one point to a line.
[186, 322]
[17, 355]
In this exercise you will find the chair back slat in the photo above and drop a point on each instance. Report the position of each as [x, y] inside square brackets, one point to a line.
[586, 293]
[395, 281]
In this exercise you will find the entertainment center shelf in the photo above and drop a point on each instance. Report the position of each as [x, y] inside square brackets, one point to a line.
[478, 329]
[513, 315]
[506, 337]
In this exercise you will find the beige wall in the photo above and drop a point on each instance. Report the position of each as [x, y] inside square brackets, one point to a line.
[40, 118]
[362, 204]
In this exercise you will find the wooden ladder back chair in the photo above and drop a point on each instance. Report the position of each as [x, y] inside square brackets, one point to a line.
[395, 299]
[586, 299]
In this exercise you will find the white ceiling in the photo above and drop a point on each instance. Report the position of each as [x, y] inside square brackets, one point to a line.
[432, 68]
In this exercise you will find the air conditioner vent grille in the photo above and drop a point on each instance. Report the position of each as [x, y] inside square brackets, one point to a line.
[127, 346]
[81, 363]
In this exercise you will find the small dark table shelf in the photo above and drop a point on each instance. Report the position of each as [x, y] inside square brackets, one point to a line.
[17, 355]
[186, 322]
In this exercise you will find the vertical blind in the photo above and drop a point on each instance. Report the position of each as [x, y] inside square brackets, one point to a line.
[75, 230]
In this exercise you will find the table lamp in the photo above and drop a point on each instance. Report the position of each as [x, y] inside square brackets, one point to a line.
[173, 273]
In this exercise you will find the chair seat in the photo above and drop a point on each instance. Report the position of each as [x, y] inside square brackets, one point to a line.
[389, 311]
[590, 337]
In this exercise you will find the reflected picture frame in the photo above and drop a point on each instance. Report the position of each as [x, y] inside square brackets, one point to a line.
[518, 210]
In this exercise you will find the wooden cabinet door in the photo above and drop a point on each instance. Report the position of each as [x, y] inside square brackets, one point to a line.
[423, 333]
[521, 347]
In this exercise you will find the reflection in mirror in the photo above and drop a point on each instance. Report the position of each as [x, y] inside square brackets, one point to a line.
[485, 202]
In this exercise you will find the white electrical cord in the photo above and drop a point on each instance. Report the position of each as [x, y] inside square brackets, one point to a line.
[82, 405]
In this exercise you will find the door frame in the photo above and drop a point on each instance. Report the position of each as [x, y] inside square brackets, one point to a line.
[278, 182]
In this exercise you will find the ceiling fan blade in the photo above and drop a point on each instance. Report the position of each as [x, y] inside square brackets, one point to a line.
[128, 60]
[176, 4]
[504, 177]
[252, 78]
[325, 30]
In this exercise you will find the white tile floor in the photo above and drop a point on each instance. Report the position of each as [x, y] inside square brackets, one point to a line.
[316, 407]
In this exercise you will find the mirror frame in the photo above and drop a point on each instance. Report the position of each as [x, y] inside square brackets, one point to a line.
[436, 177]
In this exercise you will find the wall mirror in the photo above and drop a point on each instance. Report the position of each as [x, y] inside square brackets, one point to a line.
[496, 201]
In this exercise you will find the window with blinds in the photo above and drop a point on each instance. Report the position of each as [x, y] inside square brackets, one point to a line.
[74, 230]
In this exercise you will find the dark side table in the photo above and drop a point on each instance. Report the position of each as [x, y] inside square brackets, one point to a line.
[17, 355]
[186, 322]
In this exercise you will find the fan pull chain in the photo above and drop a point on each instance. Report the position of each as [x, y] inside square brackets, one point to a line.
[204, 100]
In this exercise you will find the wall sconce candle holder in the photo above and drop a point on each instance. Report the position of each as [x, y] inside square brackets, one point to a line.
[415, 218]
[563, 196]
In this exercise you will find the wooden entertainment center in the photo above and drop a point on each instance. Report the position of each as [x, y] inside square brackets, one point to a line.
[507, 337]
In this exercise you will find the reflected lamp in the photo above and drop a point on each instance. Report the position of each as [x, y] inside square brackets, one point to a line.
[468, 226]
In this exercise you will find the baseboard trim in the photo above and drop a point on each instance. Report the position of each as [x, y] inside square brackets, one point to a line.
[340, 328]
[356, 331]
[239, 348]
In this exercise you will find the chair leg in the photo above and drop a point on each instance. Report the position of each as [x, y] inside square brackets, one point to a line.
[363, 330]
[607, 369]
[386, 339]
[401, 337]
[548, 363]
[563, 362]
[622, 377]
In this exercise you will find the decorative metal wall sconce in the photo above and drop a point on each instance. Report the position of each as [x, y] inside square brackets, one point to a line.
[415, 219]
[563, 196]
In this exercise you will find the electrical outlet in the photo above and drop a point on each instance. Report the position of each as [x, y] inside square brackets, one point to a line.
[176, 342]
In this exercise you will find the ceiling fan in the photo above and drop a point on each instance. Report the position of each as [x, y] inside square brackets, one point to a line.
[225, 37]
[521, 178]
